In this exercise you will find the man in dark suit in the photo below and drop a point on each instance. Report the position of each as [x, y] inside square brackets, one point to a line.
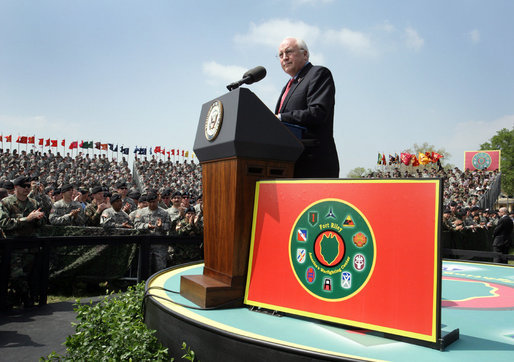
[308, 101]
[502, 235]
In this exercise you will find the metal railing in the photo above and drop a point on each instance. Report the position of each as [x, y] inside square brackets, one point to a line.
[44, 246]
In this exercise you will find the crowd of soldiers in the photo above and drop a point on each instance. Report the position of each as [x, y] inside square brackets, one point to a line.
[53, 169]
[38, 189]
[461, 195]
[465, 188]
[96, 191]
[468, 218]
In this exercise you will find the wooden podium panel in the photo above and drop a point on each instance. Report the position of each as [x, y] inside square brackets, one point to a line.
[229, 192]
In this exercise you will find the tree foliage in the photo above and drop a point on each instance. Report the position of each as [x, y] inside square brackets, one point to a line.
[358, 172]
[504, 140]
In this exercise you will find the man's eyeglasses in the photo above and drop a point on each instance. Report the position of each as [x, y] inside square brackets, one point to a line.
[286, 53]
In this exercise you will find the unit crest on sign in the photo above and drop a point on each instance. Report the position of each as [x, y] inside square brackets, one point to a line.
[332, 250]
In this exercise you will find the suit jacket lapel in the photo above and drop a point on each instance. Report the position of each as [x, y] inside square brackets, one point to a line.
[295, 84]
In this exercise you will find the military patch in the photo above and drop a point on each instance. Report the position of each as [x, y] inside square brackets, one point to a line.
[360, 239]
[313, 218]
[348, 222]
[346, 280]
[330, 214]
[310, 275]
[333, 247]
[327, 284]
[359, 262]
[300, 255]
[302, 235]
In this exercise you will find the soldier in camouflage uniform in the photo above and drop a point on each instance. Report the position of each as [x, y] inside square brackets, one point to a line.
[21, 215]
[176, 211]
[156, 221]
[165, 201]
[67, 211]
[115, 217]
[129, 205]
[94, 210]
[189, 225]
[38, 193]
[141, 204]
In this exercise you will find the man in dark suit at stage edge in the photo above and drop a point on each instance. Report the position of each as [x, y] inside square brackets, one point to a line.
[502, 235]
[308, 101]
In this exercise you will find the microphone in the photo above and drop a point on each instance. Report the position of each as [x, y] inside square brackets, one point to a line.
[251, 76]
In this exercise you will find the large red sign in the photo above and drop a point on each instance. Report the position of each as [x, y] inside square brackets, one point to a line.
[358, 252]
[482, 160]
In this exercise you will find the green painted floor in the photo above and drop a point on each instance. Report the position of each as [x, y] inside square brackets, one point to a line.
[478, 299]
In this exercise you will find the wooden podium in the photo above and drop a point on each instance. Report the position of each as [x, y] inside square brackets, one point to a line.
[239, 141]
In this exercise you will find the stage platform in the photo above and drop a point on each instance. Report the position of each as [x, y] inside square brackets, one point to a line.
[477, 299]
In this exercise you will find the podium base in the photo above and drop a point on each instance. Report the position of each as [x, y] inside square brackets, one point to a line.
[208, 292]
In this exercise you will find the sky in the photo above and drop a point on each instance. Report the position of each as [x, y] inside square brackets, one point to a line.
[136, 73]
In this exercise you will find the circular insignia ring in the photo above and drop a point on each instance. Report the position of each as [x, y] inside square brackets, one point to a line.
[481, 161]
[332, 250]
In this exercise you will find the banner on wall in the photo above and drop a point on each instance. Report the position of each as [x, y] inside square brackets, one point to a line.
[363, 253]
[482, 160]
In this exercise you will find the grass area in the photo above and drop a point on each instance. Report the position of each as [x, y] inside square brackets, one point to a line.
[81, 290]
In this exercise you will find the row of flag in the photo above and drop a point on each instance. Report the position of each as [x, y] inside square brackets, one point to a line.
[42, 142]
[409, 159]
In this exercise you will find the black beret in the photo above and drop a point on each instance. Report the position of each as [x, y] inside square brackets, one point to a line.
[134, 195]
[8, 185]
[115, 197]
[66, 187]
[191, 209]
[96, 189]
[176, 193]
[166, 192]
[22, 180]
[143, 198]
[120, 184]
[151, 196]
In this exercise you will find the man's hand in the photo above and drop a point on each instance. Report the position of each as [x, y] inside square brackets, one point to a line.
[102, 207]
[126, 208]
[35, 215]
[74, 213]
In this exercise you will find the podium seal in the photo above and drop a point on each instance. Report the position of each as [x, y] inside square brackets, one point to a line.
[332, 250]
[213, 120]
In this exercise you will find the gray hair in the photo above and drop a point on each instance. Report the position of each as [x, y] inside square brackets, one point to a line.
[301, 44]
